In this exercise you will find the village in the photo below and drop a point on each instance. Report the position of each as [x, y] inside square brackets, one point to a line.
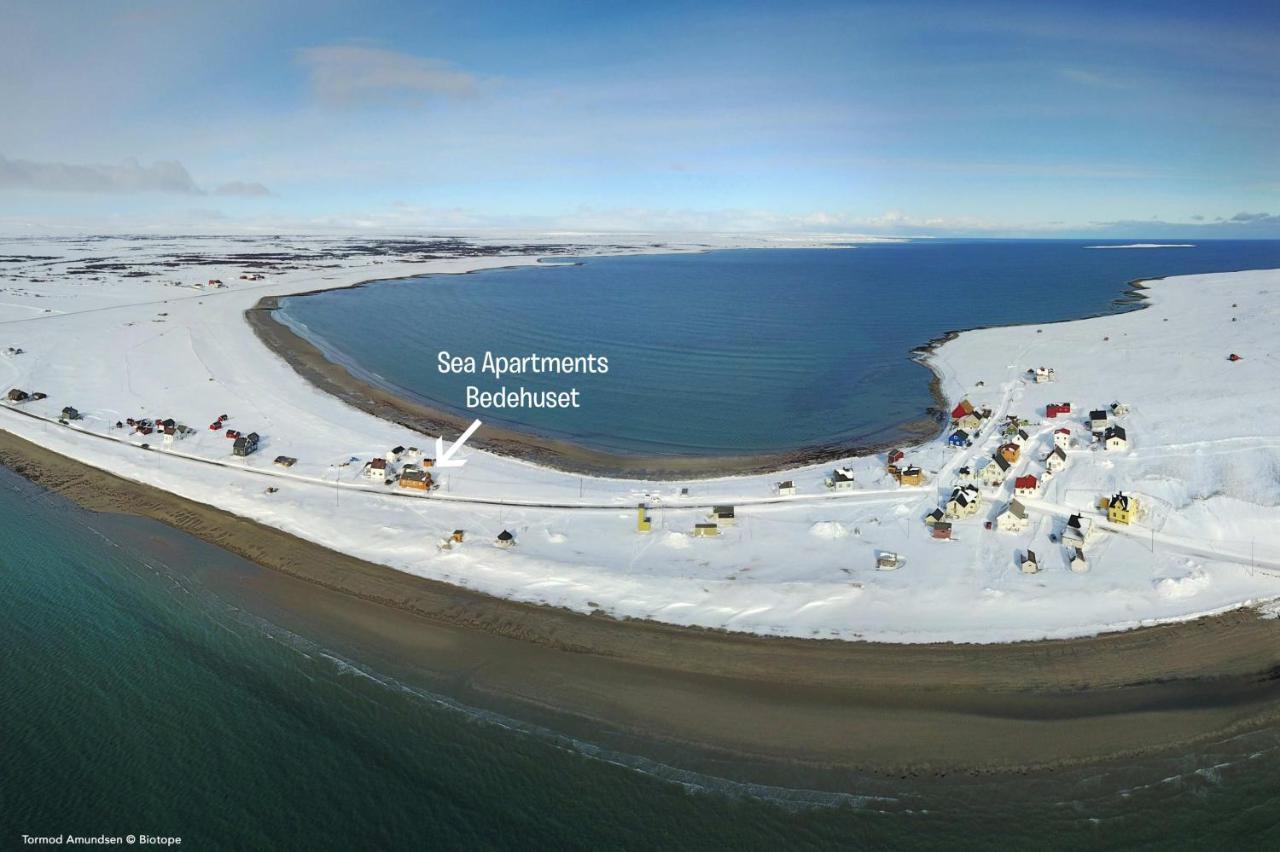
[1052, 501]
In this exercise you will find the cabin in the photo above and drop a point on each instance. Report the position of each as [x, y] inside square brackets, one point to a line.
[896, 456]
[723, 515]
[1053, 409]
[1014, 517]
[246, 444]
[16, 395]
[964, 502]
[996, 471]
[1115, 438]
[959, 438]
[705, 530]
[505, 539]
[1055, 461]
[888, 561]
[644, 523]
[1062, 438]
[1077, 561]
[1077, 531]
[1010, 452]
[910, 475]
[786, 488]
[1098, 421]
[1026, 486]
[1029, 564]
[70, 413]
[1122, 509]
[415, 478]
[841, 479]
[942, 530]
[376, 470]
[285, 461]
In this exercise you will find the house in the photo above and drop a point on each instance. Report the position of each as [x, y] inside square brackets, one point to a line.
[965, 474]
[959, 438]
[16, 395]
[934, 518]
[1119, 409]
[841, 479]
[412, 454]
[393, 455]
[70, 413]
[963, 408]
[786, 488]
[942, 530]
[505, 539]
[1233, 357]
[723, 515]
[1055, 461]
[888, 561]
[1122, 509]
[1053, 409]
[996, 471]
[246, 444]
[1010, 452]
[1014, 518]
[1026, 486]
[1062, 438]
[705, 530]
[964, 502]
[1098, 421]
[896, 456]
[1077, 560]
[376, 470]
[1041, 374]
[1077, 531]
[644, 523]
[910, 475]
[415, 478]
[969, 423]
[457, 537]
[1029, 564]
[285, 461]
[1115, 438]
[1020, 437]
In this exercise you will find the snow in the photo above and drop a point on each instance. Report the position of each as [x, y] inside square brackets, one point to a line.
[1203, 456]
[1146, 246]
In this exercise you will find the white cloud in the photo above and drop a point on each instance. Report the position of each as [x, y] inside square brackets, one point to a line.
[346, 74]
[129, 176]
[242, 189]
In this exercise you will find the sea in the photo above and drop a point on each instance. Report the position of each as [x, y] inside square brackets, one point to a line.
[146, 689]
[731, 352]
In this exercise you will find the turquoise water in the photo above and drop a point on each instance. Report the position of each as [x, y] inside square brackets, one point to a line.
[732, 351]
[147, 686]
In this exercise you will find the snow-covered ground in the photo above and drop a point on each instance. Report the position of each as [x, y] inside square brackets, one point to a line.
[1203, 457]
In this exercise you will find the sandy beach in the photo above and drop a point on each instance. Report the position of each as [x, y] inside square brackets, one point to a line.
[920, 709]
[312, 365]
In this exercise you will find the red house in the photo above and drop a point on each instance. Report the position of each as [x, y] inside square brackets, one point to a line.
[1053, 409]
[1234, 357]
[896, 456]
[1026, 486]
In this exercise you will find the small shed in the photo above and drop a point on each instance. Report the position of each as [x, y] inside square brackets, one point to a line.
[70, 413]
[706, 530]
[786, 488]
[1077, 560]
[505, 539]
[458, 536]
[942, 530]
[1029, 564]
[18, 395]
[723, 515]
[644, 523]
[887, 560]
[285, 461]
[246, 444]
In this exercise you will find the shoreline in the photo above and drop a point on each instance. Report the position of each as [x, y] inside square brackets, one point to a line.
[794, 705]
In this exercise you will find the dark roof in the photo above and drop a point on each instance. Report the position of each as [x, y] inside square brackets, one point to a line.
[505, 536]
[1097, 414]
[1001, 462]
[1115, 432]
[1074, 521]
[397, 450]
[1031, 556]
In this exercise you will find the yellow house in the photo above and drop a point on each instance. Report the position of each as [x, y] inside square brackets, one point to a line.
[706, 530]
[1122, 509]
[644, 523]
[911, 475]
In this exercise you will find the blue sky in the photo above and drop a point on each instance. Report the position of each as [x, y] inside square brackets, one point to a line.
[948, 118]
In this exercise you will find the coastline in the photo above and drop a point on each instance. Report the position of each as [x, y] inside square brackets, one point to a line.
[792, 704]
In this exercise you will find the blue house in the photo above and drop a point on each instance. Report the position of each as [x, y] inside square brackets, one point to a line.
[959, 438]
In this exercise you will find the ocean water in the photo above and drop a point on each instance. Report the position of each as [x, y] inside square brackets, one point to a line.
[732, 351]
[147, 687]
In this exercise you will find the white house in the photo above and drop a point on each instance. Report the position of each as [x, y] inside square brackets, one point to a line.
[1055, 461]
[1115, 438]
[1042, 374]
[1119, 409]
[1020, 437]
[1077, 560]
[1098, 421]
[969, 423]
[1062, 438]
[1077, 532]
[964, 502]
[887, 560]
[965, 474]
[393, 455]
[786, 488]
[376, 470]
[841, 479]
[1014, 517]
[1029, 564]
[995, 471]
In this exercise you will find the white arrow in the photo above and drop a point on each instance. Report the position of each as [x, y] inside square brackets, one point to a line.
[444, 458]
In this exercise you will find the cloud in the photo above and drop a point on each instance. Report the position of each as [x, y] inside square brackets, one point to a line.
[242, 189]
[348, 74]
[1257, 218]
[128, 177]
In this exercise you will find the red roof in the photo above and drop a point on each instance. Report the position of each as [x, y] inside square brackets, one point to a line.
[1063, 431]
[965, 407]
[1027, 481]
